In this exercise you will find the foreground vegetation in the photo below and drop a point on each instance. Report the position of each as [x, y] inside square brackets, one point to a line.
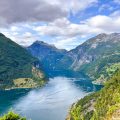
[12, 116]
[103, 105]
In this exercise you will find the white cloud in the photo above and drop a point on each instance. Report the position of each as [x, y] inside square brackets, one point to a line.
[24, 39]
[17, 11]
[93, 25]
[105, 23]
[68, 43]
[14, 28]
[62, 27]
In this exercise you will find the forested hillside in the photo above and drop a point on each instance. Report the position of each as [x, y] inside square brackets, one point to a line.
[103, 105]
[15, 63]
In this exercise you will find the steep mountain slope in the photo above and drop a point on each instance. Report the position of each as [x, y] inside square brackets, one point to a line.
[98, 57]
[103, 105]
[15, 63]
[50, 57]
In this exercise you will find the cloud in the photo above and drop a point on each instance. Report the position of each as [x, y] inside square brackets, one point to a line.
[93, 25]
[117, 1]
[16, 34]
[104, 23]
[62, 27]
[14, 11]
[68, 43]
[103, 7]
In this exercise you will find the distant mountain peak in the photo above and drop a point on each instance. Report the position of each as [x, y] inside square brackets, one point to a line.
[43, 43]
[47, 45]
[39, 42]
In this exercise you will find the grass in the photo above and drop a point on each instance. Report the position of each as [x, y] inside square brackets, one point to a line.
[24, 83]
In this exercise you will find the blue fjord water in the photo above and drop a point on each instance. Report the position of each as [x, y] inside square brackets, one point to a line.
[51, 102]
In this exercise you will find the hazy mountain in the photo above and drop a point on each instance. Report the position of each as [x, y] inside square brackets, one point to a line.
[49, 56]
[17, 67]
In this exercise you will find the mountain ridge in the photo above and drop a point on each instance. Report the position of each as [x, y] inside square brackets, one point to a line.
[87, 58]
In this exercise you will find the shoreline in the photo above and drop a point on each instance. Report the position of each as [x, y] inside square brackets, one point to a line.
[27, 88]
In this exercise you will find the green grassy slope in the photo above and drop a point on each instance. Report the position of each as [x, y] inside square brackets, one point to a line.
[103, 105]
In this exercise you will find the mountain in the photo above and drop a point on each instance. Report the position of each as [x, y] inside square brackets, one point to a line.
[103, 105]
[42, 50]
[49, 56]
[98, 57]
[17, 67]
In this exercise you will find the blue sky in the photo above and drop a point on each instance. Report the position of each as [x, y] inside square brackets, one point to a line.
[64, 23]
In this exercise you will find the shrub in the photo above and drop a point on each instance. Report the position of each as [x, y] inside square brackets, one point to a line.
[12, 116]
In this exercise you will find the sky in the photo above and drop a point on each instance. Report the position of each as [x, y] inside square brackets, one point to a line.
[64, 23]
